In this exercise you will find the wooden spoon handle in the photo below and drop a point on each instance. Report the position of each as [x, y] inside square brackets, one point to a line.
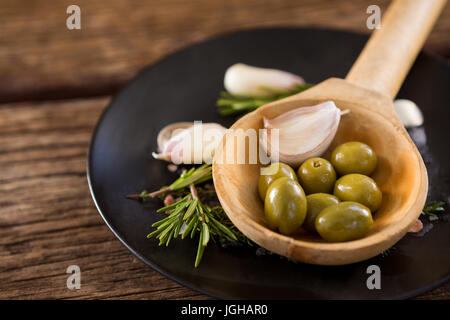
[388, 55]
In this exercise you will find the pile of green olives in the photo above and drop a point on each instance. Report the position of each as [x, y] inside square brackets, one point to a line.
[334, 198]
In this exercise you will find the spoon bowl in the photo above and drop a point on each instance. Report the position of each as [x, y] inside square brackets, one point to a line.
[400, 174]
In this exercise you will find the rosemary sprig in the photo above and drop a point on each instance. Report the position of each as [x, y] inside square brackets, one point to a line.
[188, 217]
[188, 177]
[229, 104]
[432, 208]
[191, 214]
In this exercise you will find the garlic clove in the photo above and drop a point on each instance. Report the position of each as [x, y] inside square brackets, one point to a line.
[168, 131]
[244, 80]
[194, 144]
[408, 112]
[416, 227]
[304, 132]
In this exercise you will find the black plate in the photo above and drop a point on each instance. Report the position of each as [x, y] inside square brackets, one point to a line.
[184, 87]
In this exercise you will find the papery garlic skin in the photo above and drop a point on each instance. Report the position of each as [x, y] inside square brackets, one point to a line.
[168, 131]
[244, 80]
[408, 112]
[194, 144]
[304, 132]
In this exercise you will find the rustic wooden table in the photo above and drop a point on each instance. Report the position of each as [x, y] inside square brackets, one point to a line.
[54, 83]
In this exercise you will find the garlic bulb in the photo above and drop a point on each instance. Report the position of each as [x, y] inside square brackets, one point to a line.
[303, 132]
[189, 144]
[408, 112]
[244, 80]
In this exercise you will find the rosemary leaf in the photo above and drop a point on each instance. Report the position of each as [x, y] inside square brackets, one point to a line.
[205, 234]
[191, 209]
[189, 227]
[195, 228]
[229, 104]
[200, 250]
[178, 226]
[171, 234]
[224, 229]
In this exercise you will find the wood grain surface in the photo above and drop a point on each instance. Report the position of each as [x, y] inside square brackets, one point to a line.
[47, 218]
[41, 59]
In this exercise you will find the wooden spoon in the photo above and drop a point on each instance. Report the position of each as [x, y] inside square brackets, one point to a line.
[367, 91]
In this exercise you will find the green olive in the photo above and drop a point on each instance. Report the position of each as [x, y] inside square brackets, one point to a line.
[317, 175]
[270, 173]
[316, 202]
[359, 188]
[285, 206]
[344, 221]
[354, 157]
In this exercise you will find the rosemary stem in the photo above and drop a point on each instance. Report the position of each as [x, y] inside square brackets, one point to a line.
[193, 191]
[151, 195]
[133, 196]
[159, 192]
